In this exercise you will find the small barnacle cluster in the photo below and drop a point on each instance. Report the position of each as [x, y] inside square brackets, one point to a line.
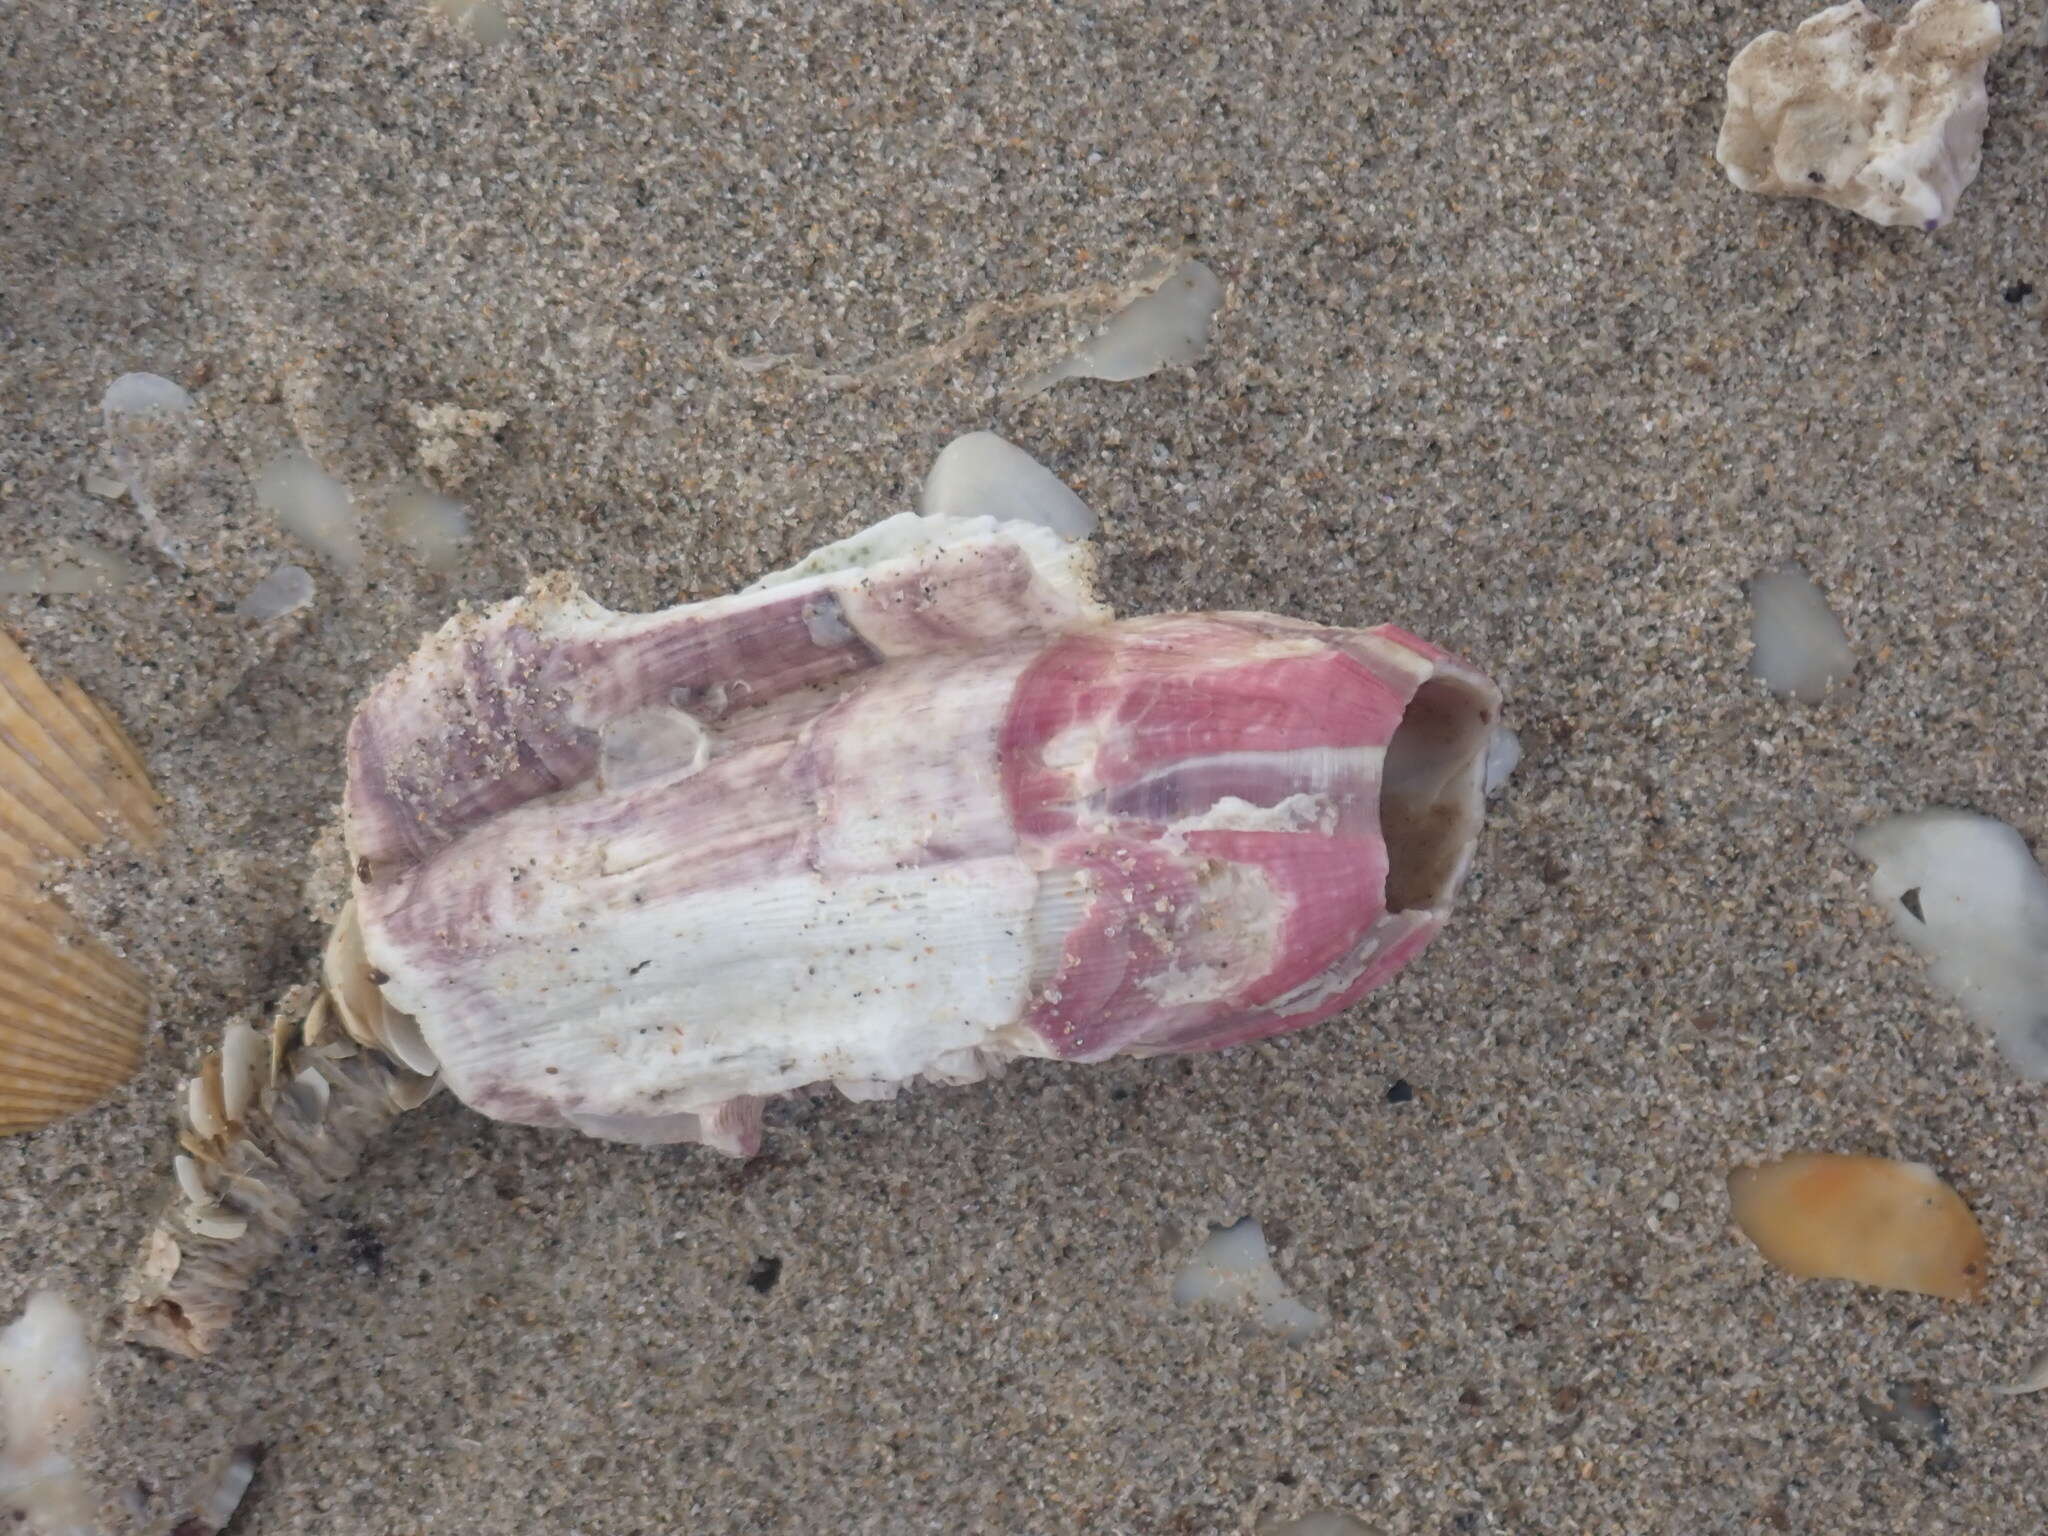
[267, 1126]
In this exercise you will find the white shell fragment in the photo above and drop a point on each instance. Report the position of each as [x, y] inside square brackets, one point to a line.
[45, 1405]
[65, 568]
[1887, 122]
[312, 506]
[2032, 1380]
[1166, 326]
[285, 590]
[983, 475]
[1966, 893]
[1801, 649]
[1232, 1268]
[133, 394]
[227, 1483]
[434, 528]
[149, 419]
[1503, 757]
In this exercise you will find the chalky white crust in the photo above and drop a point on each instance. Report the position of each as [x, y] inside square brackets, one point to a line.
[1887, 122]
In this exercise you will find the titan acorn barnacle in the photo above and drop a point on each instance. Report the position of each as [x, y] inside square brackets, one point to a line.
[912, 808]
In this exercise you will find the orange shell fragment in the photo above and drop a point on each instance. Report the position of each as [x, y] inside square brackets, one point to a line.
[1822, 1215]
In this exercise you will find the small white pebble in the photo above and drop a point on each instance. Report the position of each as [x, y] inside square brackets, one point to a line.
[284, 590]
[104, 487]
[1233, 1267]
[435, 528]
[1965, 892]
[134, 393]
[1503, 756]
[983, 475]
[1801, 647]
[312, 506]
[1169, 325]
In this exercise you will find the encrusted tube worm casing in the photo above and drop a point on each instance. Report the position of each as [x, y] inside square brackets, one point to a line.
[267, 1127]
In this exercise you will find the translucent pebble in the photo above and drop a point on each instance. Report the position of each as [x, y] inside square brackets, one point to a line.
[157, 437]
[1964, 890]
[65, 568]
[1233, 1267]
[983, 475]
[312, 506]
[1169, 325]
[435, 528]
[134, 393]
[284, 590]
[1503, 756]
[1801, 647]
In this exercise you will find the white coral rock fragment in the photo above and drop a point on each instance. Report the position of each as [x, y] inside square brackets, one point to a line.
[312, 506]
[983, 475]
[45, 1404]
[1233, 1268]
[1168, 325]
[283, 591]
[1887, 122]
[1965, 892]
[1801, 649]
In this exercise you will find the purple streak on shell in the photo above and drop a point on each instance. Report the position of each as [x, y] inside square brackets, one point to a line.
[505, 707]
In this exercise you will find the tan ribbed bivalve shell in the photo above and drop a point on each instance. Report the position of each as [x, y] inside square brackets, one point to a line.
[72, 1013]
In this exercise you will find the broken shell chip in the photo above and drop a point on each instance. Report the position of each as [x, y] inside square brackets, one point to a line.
[1895, 1225]
[72, 1014]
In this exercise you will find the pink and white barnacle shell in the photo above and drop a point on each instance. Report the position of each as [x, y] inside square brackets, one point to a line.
[913, 807]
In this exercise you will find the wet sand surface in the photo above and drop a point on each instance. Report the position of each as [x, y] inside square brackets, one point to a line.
[1503, 359]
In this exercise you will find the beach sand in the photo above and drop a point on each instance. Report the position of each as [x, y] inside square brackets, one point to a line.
[1504, 359]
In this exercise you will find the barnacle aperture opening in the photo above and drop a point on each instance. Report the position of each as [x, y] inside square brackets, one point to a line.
[1430, 792]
